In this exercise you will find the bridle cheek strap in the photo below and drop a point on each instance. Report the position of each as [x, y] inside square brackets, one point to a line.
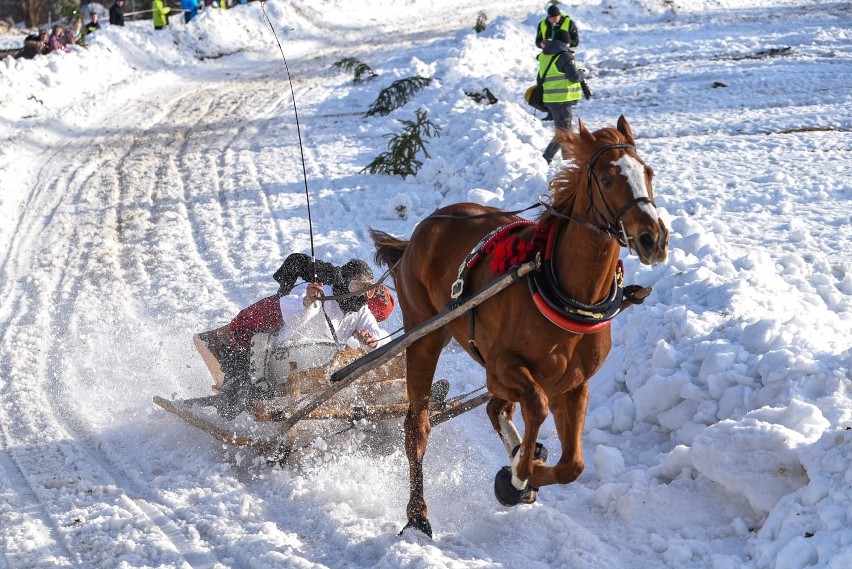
[614, 227]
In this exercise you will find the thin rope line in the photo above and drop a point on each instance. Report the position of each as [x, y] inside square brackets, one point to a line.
[298, 133]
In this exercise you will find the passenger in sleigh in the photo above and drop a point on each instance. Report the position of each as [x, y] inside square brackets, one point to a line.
[306, 318]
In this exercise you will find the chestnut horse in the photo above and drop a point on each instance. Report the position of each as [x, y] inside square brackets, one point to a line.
[602, 202]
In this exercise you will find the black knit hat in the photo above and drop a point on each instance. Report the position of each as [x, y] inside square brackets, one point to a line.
[553, 10]
[356, 269]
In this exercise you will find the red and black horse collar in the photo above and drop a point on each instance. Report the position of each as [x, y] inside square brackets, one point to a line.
[549, 298]
[564, 311]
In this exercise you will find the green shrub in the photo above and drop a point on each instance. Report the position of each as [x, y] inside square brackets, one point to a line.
[361, 70]
[401, 157]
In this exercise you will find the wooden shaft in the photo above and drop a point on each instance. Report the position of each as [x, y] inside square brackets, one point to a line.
[346, 375]
[380, 355]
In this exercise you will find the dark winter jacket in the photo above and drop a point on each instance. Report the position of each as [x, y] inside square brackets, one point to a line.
[565, 31]
[33, 45]
[116, 15]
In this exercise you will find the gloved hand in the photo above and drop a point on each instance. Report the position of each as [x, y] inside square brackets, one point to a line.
[587, 92]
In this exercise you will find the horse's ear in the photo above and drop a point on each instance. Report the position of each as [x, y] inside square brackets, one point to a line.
[624, 128]
[584, 132]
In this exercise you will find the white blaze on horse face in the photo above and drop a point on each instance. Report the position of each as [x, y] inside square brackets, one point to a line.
[635, 174]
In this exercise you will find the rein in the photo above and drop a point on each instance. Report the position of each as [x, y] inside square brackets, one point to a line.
[562, 310]
[615, 227]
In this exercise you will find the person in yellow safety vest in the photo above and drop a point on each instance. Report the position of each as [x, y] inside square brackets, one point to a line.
[557, 26]
[161, 14]
[561, 89]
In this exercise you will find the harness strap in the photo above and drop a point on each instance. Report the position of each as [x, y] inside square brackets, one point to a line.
[474, 349]
[540, 78]
[479, 250]
[552, 290]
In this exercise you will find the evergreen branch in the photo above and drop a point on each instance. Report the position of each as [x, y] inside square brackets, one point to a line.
[481, 20]
[396, 95]
[401, 157]
[361, 70]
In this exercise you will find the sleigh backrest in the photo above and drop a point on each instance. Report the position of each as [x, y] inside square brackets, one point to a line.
[300, 369]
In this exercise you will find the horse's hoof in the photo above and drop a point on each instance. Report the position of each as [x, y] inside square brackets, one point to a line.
[539, 454]
[507, 494]
[419, 523]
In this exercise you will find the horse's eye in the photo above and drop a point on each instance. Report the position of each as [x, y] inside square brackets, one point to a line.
[607, 181]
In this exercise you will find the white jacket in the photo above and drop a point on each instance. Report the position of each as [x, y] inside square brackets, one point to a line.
[310, 325]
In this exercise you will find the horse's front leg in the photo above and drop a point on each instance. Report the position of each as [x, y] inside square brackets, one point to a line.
[421, 361]
[510, 380]
[569, 414]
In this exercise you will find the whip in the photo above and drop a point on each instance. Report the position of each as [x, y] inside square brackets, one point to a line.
[298, 133]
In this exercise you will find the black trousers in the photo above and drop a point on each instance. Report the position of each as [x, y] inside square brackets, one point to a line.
[562, 121]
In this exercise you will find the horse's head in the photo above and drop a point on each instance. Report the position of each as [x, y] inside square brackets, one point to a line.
[619, 194]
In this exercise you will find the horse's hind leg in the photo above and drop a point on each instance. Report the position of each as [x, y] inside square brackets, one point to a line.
[421, 361]
[500, 412]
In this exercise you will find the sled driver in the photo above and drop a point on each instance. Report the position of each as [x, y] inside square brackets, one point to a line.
[304, 319]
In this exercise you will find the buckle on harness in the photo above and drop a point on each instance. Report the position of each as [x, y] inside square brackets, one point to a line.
[457, 288]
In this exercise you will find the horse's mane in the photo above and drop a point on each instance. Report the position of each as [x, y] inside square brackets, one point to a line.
[566, 183]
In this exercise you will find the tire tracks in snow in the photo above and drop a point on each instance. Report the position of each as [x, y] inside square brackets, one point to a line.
[29, 521]
[53, 454]
[94, 262]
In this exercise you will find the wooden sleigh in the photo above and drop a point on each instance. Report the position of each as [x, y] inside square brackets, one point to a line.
[306, 405]
[351, 388]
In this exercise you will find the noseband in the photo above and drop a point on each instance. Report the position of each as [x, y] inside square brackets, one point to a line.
[612, 224]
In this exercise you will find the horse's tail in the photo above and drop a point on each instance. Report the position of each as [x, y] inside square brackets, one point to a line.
[389, 249]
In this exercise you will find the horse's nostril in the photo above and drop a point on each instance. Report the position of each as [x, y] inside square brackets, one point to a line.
[646, 241]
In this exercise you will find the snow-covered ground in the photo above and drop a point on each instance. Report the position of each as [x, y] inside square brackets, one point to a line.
[152, 183]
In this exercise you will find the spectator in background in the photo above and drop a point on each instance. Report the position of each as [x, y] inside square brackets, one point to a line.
[116, 13]
[557, 26]
[561, 83]
[161, 14]
[56, 41]
[74, 34]
[34, 45]
[190, 9]
[92, 25]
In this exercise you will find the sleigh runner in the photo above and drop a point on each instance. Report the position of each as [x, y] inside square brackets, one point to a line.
[277, 426]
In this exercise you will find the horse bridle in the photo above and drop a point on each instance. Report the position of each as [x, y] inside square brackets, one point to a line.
[615, 227]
